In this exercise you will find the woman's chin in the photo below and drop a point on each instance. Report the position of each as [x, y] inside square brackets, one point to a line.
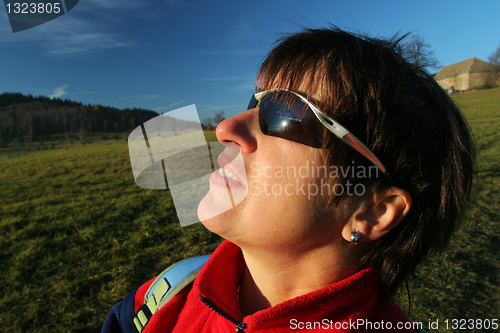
[214, 213]
[213, 204]
[219, 224]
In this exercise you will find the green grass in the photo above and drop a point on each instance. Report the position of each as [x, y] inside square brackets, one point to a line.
[77, 234]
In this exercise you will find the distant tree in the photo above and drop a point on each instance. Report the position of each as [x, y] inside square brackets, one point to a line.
[494, 58]
[493, 77]
[218, 117]
[210, 127]
[417, 51]
[24, 118]
[206, 122]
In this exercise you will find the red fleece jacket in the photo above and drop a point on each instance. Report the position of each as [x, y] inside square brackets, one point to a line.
[210, 304]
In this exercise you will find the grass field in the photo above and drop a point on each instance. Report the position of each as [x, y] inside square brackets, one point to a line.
[77, 234]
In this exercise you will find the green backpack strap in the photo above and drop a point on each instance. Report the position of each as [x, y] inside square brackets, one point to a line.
[166, 285]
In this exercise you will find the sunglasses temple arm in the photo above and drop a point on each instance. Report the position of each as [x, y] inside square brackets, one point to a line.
[352, 141]
[347, 137]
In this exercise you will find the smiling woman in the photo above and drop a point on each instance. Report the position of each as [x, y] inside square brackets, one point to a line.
[295, 256]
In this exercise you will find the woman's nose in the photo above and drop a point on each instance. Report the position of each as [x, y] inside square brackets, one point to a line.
[241, 130]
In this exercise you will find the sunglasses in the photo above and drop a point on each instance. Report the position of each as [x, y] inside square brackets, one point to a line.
[288, 115]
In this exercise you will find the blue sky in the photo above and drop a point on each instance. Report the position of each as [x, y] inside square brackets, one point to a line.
[162, 55]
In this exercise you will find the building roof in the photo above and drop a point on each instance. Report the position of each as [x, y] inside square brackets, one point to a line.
[472, 65]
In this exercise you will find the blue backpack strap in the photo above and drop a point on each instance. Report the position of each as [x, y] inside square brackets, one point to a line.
[166, 285]
[121, 317]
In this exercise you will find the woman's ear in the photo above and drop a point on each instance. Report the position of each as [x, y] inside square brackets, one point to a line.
[378, 215]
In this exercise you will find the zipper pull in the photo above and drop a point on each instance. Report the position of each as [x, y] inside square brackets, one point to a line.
[240, 327]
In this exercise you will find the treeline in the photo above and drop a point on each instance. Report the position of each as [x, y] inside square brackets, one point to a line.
[25, 118]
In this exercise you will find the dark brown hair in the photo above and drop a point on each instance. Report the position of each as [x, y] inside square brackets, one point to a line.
[403, 116]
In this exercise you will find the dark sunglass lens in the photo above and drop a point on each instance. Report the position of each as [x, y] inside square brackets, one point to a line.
[253, 102]
[292, 121]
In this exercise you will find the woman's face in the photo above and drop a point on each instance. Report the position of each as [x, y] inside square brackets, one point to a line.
[286, 192]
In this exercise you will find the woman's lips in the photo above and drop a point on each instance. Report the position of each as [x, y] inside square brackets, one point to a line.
[224, 177]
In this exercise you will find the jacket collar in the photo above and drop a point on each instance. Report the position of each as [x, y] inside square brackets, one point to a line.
[345, 300]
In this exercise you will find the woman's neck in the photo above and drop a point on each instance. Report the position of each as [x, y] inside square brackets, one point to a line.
[270, 279]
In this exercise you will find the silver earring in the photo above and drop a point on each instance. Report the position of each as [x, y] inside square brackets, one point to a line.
[354, 238]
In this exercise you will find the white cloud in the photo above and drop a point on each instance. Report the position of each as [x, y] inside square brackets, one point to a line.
[243, 87]
[114, 4]
[70, 44]
[144, 96]
[73, 34]
[213, 53]
[59, 91]
[209, 108]
[169, 107]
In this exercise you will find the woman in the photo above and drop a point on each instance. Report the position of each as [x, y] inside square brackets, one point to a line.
[357, 166]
